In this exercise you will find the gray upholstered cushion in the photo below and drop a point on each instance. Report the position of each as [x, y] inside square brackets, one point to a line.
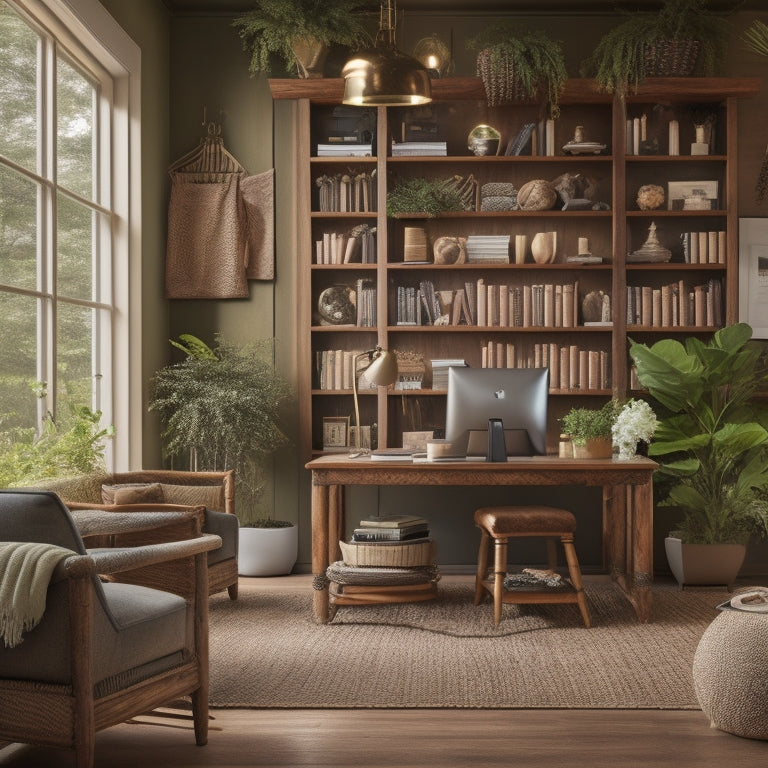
[228, 527]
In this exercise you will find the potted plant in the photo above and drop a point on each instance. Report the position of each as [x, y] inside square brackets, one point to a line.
[590, 430]
[220, 408]
[664, 43]
[712, 448]
[633, 428]
[429, 197]
[299, 32]
[519, 66]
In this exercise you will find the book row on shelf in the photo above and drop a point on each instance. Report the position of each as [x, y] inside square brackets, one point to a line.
[570, 366]
[355, 246]
[676, 304]
[546, 305]
[704, 247]
[351, 192]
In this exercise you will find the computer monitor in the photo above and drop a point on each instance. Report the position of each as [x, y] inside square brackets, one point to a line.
[516, 396]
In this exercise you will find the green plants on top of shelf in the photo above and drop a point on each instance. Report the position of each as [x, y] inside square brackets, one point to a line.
[519, 66]
[428, 196]
[276, 28]
[667, 42]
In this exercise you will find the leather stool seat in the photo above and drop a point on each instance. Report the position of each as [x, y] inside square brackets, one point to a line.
[497, 525]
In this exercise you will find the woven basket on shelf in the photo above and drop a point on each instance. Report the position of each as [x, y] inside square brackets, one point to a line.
[399, 554]
[498, 76]
[670, 58]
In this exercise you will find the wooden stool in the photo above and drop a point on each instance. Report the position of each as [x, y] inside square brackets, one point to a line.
[503, 523]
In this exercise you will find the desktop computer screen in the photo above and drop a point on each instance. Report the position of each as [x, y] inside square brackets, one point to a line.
[515, 396]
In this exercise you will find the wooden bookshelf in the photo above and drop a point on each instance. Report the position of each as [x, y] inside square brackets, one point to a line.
[613, 177]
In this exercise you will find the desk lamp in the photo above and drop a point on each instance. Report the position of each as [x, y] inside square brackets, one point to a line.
[381, 371]
[384, 76]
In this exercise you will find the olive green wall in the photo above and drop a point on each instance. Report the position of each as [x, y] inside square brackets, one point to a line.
[192, 61]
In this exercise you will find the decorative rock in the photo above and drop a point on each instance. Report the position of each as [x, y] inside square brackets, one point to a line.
[537, 195]
[650, 197]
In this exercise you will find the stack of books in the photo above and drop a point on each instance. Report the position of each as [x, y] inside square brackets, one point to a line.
[344, 150]
[488, 248]
[440, 371]
[427, 148]
[392, 528]
[390, 541]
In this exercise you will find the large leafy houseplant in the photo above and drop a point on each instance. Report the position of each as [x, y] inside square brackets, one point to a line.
[220, 409]
[711, 444]
[272, 29]
[519, 65]
[680, 33]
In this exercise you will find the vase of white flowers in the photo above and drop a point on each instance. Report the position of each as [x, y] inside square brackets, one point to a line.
[635, 423]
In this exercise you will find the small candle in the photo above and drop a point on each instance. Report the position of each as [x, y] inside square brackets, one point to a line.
[643, 124]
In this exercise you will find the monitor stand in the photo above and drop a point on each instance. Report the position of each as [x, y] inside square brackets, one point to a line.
[497, 447]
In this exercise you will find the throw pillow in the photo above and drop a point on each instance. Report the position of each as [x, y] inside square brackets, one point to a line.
[136, 494]
[208, 496]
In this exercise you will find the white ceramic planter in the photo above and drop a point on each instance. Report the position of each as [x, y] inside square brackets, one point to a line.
[267, 551]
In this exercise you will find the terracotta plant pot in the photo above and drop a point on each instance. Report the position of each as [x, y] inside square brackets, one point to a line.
[596, 448]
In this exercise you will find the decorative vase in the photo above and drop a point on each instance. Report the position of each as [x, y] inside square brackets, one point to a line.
[544, 247]
[310, 55]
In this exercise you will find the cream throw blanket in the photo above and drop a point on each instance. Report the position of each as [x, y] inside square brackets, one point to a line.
[25, 572]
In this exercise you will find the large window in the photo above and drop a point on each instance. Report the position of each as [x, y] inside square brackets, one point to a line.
[64, 241]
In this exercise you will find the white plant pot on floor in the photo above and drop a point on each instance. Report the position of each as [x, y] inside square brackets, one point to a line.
[267, 551]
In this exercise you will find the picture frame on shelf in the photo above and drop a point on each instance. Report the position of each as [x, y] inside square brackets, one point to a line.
[753, 274]
[692, 195]
[417, 441]
[335, 433]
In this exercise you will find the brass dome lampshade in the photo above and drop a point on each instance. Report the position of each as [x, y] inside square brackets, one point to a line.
[383, 76]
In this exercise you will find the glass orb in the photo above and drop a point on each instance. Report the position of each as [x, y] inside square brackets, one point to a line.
[434, 55]
[483, 140]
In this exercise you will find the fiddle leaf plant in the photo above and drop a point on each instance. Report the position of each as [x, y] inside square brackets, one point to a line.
[711, 443]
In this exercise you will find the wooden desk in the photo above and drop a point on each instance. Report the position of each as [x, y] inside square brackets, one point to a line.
[627, 506]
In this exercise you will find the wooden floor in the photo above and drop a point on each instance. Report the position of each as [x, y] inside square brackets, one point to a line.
[431, 738]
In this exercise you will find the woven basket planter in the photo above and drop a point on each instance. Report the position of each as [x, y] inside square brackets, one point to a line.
[498, 76]
[670, 58]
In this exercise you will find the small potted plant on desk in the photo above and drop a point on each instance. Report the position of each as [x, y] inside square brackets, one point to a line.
[711, 446]
[220, 408]
[590, 431]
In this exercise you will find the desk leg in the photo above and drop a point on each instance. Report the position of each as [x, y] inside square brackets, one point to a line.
[335, 521]
[614, 530]
[642, 549]
[320, 551]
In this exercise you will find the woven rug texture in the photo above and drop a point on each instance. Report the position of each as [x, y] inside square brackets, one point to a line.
[268, 652]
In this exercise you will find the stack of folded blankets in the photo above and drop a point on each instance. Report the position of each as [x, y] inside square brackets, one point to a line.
[389, 559]
[498, 196]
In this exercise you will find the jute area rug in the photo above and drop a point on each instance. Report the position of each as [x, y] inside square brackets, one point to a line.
[268, 652]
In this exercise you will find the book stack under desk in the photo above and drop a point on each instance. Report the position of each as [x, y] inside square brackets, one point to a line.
[394, 541]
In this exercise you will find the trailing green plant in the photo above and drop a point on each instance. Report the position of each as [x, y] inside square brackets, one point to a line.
[220, 408]
[711, 441]
[431, 196]
[73, 444]
[269, 30]
[756, 37]
[583, 424]
[618, 63]
[537, 62]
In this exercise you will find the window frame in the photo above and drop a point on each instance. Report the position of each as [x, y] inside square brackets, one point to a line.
[83, 34]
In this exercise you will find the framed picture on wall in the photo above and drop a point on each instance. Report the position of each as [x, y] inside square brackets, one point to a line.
[753, 274]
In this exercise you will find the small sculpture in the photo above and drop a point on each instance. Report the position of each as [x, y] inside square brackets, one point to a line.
[651, 250]
[450, 250]
[536, 195]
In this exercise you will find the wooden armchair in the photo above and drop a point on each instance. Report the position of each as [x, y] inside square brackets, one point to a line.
[168, 490]
[102, 652]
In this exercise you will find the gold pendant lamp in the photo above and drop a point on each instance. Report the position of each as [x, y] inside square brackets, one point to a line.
[383, 76]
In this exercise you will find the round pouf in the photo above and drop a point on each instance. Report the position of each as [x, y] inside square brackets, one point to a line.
[730, 673]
